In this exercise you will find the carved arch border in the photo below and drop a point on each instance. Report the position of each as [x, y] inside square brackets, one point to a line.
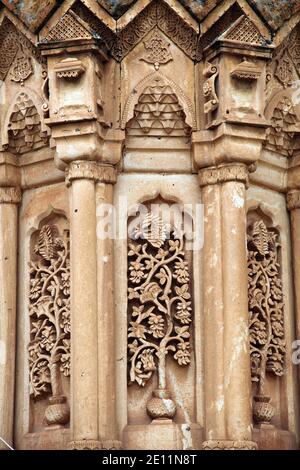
[132, 99]
[38, 102]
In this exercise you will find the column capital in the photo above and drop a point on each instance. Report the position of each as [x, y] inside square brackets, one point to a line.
[293, 199]
[224, 173]
[10, 195]
[85, 169]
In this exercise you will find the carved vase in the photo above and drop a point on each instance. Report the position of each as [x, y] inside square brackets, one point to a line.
[58, 411]
[263, 411]
[161, 406]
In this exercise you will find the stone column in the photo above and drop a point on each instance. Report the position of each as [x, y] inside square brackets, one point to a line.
[227, 357]
[106, 320]
[88, 379]
[9, 198]
[293, 205]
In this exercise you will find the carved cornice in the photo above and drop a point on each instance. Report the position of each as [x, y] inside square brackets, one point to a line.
[10, 195]
[88, 444]
[90, 170]
[228, 445]
[293, 199]
[223, 174]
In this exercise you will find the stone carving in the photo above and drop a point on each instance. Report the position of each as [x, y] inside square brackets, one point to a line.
[293, 199]
[266, 310]
[160, 15]
[158, 109]
[10, 195]
[24, 127]
[69, 68]
[9, 45]
[68, 27]
[246, 71]
[181, 34]
[285, 70]
[281, 132]
[150, 80]
[228, 445]
[211, 71]
[89, 444]
[245, 31]
[223, 174]
[21, 68]
[13, 45]
[135, 31]
[90, 170]
[49, 310]
[160, 309]
[157, 50]
[98, 27]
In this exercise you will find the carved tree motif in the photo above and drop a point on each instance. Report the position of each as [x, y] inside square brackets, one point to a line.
[266, 310]
[49, 310]
[159, 305]
[281, 132]
[158, 109]
[157, 50]
[24, 128]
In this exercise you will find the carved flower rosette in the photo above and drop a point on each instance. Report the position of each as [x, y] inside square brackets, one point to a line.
[160, 307]
[49, 310]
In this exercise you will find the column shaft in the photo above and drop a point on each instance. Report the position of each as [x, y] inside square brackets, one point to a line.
[9, 197]
[84, 311]
[236, 324]
[213, 314]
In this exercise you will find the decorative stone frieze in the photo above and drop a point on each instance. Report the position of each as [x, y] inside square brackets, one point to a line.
[10, 195]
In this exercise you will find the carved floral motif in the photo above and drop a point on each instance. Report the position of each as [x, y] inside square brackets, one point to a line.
[49, 310]
[266, 310]
[160, 309]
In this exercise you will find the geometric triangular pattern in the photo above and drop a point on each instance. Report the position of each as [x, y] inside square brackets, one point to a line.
[245, 31]
[68, 27]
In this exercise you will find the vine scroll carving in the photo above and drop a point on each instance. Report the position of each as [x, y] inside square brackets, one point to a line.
[49, 310]
[160, 309]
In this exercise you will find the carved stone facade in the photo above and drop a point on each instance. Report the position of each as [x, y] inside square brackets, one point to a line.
[149, 225]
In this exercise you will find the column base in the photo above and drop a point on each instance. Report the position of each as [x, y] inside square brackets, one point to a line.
[269, 437]
[226, 444]
[162, 434]
[89, 444]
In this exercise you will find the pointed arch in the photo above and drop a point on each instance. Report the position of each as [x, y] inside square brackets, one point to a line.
[133, 98]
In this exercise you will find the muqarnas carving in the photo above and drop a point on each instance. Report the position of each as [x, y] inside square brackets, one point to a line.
[159, 308]
[158, 110]
[280, 135]
[49, 310]
[266, 311]
[24, 128]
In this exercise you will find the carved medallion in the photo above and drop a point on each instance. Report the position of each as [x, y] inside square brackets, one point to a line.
[157, 50]
[22, 68]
